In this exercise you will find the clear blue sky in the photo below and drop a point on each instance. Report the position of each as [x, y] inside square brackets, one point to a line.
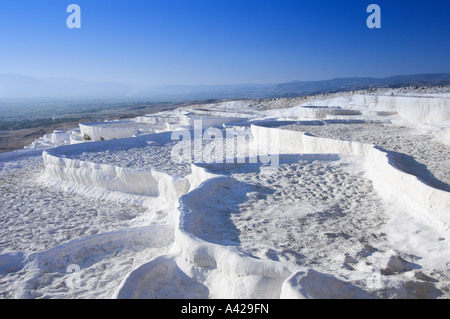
[152, 42]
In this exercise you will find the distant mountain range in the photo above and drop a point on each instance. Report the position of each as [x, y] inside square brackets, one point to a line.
[300, 88]
[14, 86]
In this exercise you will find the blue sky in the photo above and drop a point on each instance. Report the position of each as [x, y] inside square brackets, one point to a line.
[160, 42]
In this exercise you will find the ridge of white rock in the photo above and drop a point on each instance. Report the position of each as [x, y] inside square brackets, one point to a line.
[415, 109]
[381, 167]
[59, 166]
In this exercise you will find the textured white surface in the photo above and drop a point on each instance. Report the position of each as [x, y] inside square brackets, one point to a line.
[335, 219]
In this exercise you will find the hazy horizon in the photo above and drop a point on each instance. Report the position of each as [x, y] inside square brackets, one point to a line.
[17, 86]
[216, 84]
